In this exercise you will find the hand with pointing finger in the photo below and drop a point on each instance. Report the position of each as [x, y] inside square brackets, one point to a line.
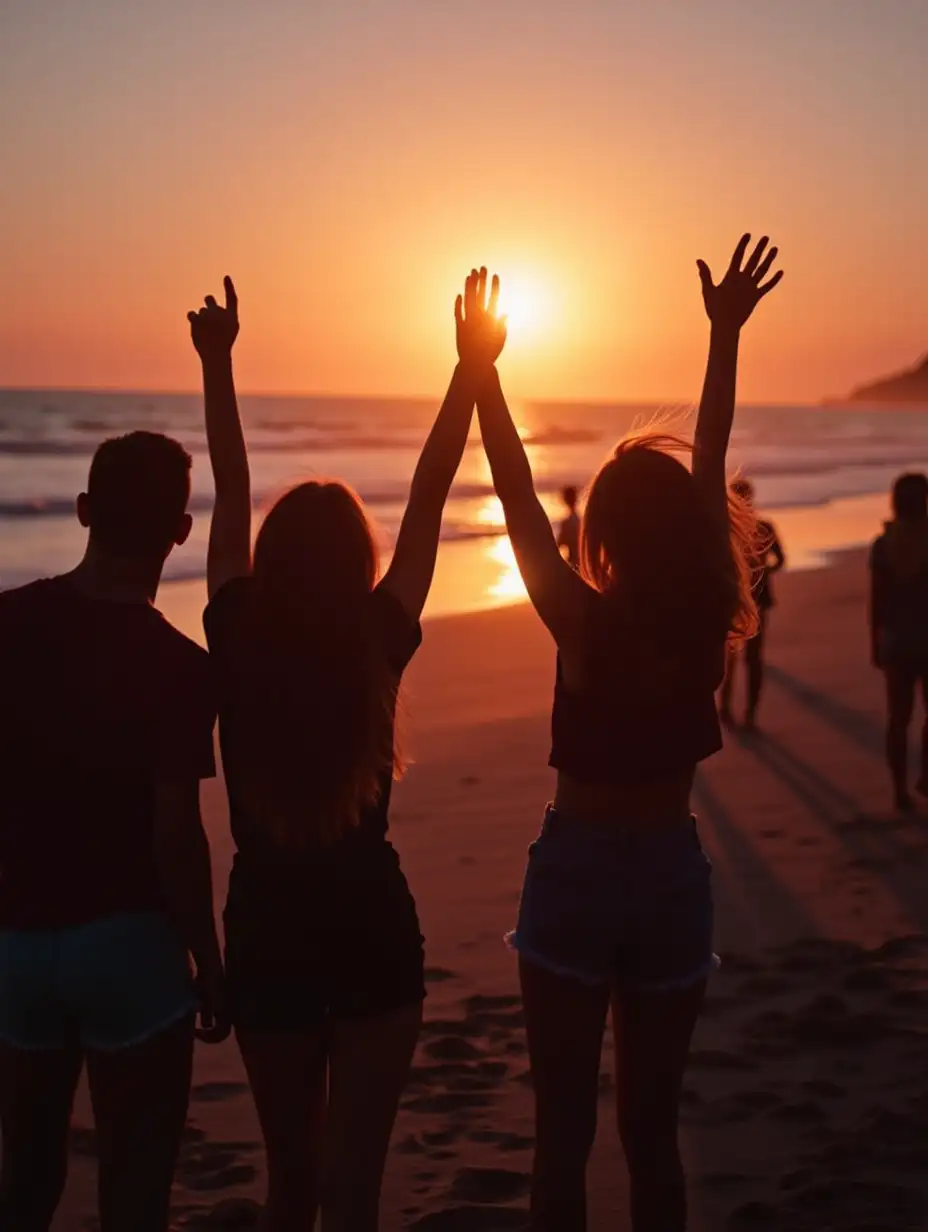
[214, 329]
[481, 332]
[732, 301]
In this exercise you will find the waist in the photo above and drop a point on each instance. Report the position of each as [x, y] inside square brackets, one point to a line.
[661, 802]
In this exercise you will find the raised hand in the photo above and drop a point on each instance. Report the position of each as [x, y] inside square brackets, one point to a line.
[741, 290]
[481, 332]
[214, 329]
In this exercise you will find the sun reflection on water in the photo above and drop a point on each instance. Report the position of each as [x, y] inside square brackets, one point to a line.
[508, 585]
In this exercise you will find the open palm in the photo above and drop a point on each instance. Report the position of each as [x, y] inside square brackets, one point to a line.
[481, 332]
[733, 300]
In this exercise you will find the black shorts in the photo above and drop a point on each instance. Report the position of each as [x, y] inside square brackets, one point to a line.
[336, 937]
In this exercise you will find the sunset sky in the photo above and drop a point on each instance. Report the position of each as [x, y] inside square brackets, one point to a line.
[347, 162]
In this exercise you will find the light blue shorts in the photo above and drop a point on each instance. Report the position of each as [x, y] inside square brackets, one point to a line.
[104, 985]
[614, 904]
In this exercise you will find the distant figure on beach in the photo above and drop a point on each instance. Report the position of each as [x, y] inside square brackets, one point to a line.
[768, 558]
[323, 947]
[105, 732]
[899, 625]
[568, 537]
[617, 903]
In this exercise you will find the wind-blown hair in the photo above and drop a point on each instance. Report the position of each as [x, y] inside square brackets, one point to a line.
[314, 686]
[647, 537]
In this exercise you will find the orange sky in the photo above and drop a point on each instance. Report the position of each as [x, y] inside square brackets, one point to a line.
[348, 162]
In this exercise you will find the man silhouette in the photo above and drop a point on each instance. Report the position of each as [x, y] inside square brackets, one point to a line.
[105, 732]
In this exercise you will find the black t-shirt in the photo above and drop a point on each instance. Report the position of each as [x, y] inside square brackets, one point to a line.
[401, 638]
[101, 701]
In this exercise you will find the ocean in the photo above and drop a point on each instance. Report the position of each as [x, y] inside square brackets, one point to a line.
[823, 471]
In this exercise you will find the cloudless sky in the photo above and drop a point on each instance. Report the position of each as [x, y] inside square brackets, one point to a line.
[348, 161]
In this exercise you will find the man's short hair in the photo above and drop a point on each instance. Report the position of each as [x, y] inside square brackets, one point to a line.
[910, 495]
[137, 494]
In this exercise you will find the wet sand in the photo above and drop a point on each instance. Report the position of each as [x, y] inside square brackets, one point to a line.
[806, 1102]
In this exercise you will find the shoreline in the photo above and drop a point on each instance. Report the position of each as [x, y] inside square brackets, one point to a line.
[480, 574]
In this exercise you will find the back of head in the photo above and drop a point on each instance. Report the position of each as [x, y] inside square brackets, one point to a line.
[910, 497]
[647, 539]
[744, 490]
[315, 690]
[569, 496]
[137, 493]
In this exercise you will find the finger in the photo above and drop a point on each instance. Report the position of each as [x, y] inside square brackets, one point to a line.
[756, 255]
[705, 276]
[231, 296]
[768, 286]
[470, 293]
[210, 301]
[482, 288]
[493, 305]
[765, 265]
[738, 255]
[191, 317]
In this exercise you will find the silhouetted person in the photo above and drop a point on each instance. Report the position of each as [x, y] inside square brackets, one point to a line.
[323, 947]
[105, 731]
[899, 624]
[768, 558]
[568, 537]
[617, 902]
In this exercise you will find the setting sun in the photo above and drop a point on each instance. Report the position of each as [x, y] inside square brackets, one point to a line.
[528, 305]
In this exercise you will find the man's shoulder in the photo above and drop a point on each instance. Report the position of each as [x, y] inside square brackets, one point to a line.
[24, 601]
[178, 646]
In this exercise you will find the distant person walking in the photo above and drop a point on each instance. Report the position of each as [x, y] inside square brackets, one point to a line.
[323, 948]
[899, 625]
[768, 558]
[568, 537]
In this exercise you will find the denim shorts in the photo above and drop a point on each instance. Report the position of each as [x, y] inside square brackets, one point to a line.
[607, 903]
[105, 985]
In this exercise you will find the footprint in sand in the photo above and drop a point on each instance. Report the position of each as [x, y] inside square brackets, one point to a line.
[716, 1059]
[452, 1048]
[501, 1140]
[438, 975]
[230, 1215]
[753, 1215]
[214, 1092]
[489, 1185]
[472, 1219]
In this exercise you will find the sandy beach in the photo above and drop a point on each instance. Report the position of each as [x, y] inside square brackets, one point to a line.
[806, 1099]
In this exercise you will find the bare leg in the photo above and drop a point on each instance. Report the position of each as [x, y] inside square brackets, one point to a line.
[900, 697]
[36, 1095]
[368, 1068]
[922, 785]
[754, 666]
[140, 1096]
[652, 1041]
[287, 1072]
[564, 1021]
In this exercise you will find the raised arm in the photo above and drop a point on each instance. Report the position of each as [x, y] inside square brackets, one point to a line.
[480, 338]
[214, 330]
[555, 589]
[728, 306]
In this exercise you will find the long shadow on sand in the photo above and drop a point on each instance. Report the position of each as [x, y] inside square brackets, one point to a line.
[856, 725]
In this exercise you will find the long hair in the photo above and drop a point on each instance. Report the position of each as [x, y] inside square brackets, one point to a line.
[647, 538]
[313, 686]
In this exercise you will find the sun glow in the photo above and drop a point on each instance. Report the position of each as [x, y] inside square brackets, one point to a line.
[509, 586]
[528, 305]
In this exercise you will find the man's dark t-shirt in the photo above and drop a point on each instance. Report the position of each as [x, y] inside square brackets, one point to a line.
[401, 637]
[101, 701]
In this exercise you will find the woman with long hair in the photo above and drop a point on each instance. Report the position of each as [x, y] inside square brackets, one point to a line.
[617, 904]
[324, 959]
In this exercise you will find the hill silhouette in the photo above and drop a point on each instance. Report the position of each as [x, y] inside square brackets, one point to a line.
[907, 387]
